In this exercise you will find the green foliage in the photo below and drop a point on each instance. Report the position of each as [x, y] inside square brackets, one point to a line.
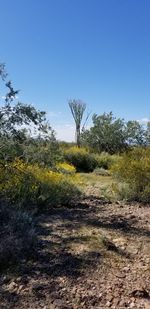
[148, 134]
[65, 145]
[136, 134]
[3, 73]
[105, 160]
[19, 123]
[31, 150]
[134, 170]
[16, 119]
[112, 135]
[81, 159]
[145, 196]
[84, 161]
[122, 191]
[106, 134]
[42, 152]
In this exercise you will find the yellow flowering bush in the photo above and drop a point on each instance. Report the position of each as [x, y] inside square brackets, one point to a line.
[16, 184]
[26, 185]
[65, 168]
[134, 170]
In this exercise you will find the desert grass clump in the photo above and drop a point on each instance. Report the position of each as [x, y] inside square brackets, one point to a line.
[101, 171]
[18, 236]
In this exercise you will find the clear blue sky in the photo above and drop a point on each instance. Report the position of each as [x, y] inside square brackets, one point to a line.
[94, 50]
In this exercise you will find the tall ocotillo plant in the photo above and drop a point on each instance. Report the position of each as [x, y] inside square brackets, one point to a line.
[77, 108]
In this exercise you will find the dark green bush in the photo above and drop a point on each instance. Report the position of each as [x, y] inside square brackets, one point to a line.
[81, 159]
[43, 153]
[84, 161]
[105, 160]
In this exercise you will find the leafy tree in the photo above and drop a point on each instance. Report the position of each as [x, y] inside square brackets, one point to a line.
[148, 134]
[3, 73]
[106, 134]
[18, 121]
[136, 134]
[77, 108]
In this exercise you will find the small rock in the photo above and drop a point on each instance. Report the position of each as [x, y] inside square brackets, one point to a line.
[51, 307]
[126, 269]
[12, 286]
[120, 275]
[132, 305]
[24, 279]
[20, 288]
[132, 217]
[132, 250]
[116, 302]
[122, 303]
[37, 287]
[59, 303]
[18, 279]
[108, 303]
[109, 298]
[5, 279]
[123, 248]
[140, 293]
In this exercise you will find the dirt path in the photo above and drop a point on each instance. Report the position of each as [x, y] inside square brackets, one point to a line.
[91, 255]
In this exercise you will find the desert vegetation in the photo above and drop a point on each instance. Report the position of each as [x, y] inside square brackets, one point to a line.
[72, 192]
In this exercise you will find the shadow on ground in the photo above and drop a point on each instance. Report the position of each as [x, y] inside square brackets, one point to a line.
[53, 257]
[59, 227]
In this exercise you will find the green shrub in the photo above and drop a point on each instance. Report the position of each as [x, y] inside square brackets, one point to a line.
[43, 153]
[145, 196]
[81, 159]
[105, 160]
[134, 170]
[84, 161]
[122, 191]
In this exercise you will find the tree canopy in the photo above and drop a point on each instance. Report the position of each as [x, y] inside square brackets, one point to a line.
[114, 135]
[19, 122]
